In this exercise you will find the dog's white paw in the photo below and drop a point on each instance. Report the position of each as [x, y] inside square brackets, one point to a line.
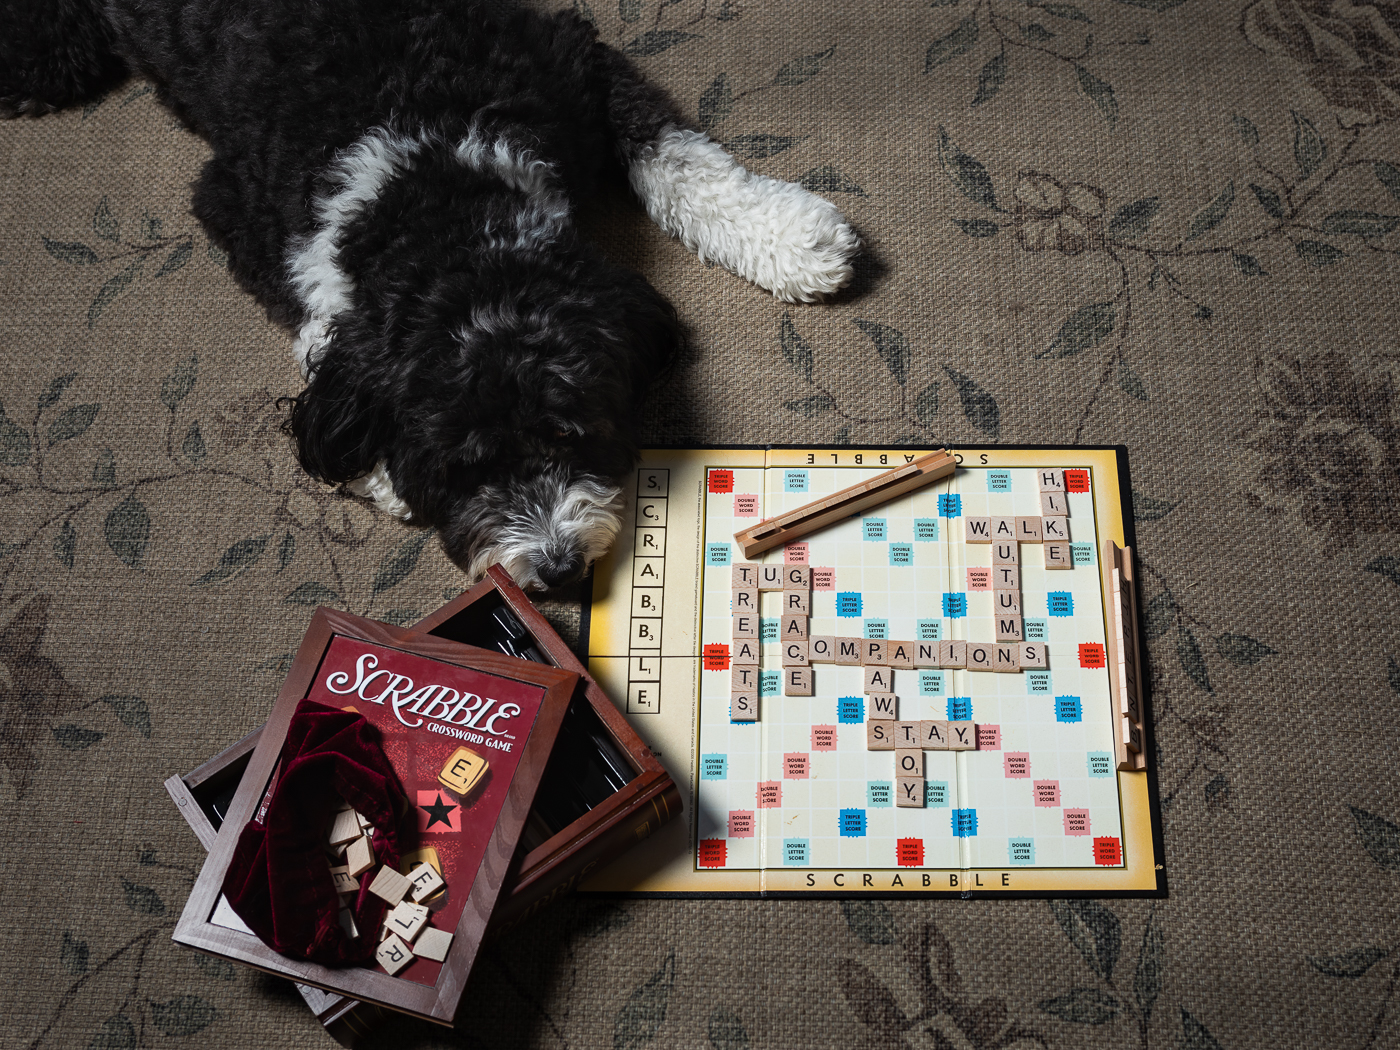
[775, 234]
[377, 486]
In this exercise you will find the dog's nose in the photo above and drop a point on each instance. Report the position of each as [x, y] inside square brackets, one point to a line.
[555, 573]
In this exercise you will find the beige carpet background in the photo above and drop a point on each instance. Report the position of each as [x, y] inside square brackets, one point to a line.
[1171, 224]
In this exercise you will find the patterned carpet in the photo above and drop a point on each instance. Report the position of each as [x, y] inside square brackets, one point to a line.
[1170, 224]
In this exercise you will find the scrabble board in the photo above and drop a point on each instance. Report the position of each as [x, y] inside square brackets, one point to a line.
[906, 701]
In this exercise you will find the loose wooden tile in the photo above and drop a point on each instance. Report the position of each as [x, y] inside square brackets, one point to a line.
[792, 628]
[347, 923]
[744, 601]
[848, 651]
[745, 626]
[406, 919]
[359, 858]
[770, 577]
[1006, 602]
[977, 530]
[426, 881]
[393, 954]
[879, 680]
[882, 707]
[910, 793]
[1052, 480]
[873, 653]
[926, 654]
[1028, 529]
[389, 885]
[1056, 530]
[797, 602]
[462, 771]
[797, 681]
[933, 732]
[1003, 529]
[1058, 556]
[1006, 577]
[345, 828]
[743, 676]
[962, 736]
[797, 577]
[795, 654]
[343, 880]
[900, 654]
[743, 706]
[1005, 552]
[1032, 654]
[747, 651]
[952, 654]
[821, 649]
[743, 575]
[1004, 658]
[909, 762]
[980, 657]
[433, 944]
[908, 735]
[879, 736]
[1009, 627]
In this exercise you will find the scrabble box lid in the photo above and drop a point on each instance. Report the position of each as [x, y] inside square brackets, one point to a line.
[470, 769]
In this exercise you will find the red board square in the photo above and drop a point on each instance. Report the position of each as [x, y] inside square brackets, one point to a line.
[1076, 481]
[438, 811]
[1091, 655]
[716, 657]
[712, 853]
[1108, 851]
[721, 481]
[909, 853]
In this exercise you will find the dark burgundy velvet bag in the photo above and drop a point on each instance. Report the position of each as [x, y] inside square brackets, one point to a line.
[280, 880]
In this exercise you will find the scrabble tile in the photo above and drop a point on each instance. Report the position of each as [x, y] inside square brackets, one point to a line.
[345, 828]
[743, 706]
[1006, 577]
[426, 882]
[873, 653]
[879, 736]
[359, 858]
[952, 654]
[908, 735]
[347, 923]
[1006, 602]
[1028, 529]
[792, 627]
[393, 954]
[1003, 529]
[933, 733]
[977, 530]
[1057, 556]
[900, 654]
[389, 885]
[926, 654]
[1052, 480]
[1032, 654]
[797, 577]
[406, 919]
[365, 822]
[743, 677]
[1004, 658]
[744, 575]
[1056, 530]
[980, 657]
[1132, 735]
[462, 771]
[770, 577]
[821, 649]
[745, 626]
[962, 736]
[344, 881]
[432, 944]
[909, 793]
[1005, 552]
[882, 707]
[879, 680]
[848, 651]
[1054, 505]
[1009, 627]
[909, 762]
[797, 602]
[744, 600]
[795, 654]
[797, 681]
[747, 651]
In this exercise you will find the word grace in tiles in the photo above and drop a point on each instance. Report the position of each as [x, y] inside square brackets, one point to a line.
[712, 853]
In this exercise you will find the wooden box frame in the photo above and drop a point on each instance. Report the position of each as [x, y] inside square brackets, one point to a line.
[543, 873]
[439, 1002]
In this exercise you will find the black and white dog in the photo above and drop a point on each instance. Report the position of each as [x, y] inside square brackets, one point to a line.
[396, 180]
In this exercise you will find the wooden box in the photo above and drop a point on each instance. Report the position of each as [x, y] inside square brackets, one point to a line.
[551, 859]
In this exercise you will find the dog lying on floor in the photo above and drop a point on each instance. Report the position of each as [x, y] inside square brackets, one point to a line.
[396, 180]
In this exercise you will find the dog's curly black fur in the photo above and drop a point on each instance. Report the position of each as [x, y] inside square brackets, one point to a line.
[396, 180]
